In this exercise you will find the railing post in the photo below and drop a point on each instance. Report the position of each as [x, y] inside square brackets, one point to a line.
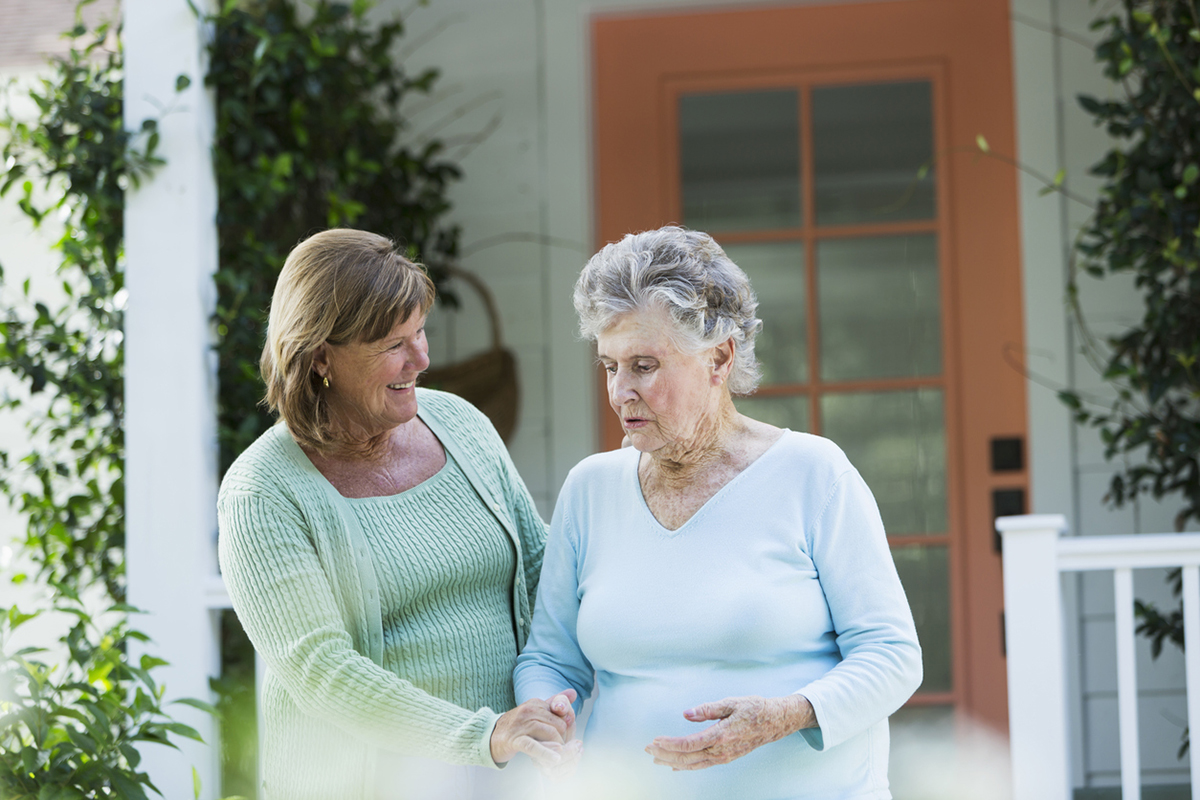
[1191, 651]
[1033, 629]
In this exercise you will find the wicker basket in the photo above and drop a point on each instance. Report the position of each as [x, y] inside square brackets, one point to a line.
[487, 381]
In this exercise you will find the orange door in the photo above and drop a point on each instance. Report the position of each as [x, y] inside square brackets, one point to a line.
[831, 150]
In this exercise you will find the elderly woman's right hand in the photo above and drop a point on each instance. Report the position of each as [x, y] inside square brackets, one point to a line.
[537, 728]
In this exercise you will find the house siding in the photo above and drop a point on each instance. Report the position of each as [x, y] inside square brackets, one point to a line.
[1069, 472]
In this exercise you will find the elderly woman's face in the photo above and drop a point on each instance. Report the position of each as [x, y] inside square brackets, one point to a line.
[663, 396]
[374, 383]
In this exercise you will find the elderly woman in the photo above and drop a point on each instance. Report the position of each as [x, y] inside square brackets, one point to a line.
[720, 569]
[379, 547]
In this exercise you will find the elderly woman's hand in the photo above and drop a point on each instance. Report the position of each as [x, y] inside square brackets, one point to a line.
[743, 723]
[536, 728]
[571, 752]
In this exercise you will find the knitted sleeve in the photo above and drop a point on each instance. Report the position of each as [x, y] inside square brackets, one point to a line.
[552, 659]
[881, 659]
[286, 605]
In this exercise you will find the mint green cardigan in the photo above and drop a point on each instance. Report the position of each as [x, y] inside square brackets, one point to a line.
[301, 578]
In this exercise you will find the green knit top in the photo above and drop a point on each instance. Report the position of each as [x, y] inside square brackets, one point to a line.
[384, 623]
[468, 665]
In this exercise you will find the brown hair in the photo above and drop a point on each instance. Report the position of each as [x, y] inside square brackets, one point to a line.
[338, 286]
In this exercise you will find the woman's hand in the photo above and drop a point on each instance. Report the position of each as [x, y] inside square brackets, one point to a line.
[570, 753]
[535, 729]
[743, 723]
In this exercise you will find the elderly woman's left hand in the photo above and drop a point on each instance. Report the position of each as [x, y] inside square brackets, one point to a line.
[743, 723]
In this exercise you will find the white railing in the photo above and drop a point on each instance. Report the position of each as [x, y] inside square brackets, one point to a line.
[1035, 555]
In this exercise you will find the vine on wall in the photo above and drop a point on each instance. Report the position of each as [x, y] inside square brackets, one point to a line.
[310, 134]
[68, 355]
[70, 728]
[1147, 224]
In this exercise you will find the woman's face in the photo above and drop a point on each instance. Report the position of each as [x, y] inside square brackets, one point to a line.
[665, 398]
[372, 385]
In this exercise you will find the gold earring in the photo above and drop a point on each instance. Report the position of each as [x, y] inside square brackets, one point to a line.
[325, 380]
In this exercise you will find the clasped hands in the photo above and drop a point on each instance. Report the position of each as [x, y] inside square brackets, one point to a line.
[545, 731]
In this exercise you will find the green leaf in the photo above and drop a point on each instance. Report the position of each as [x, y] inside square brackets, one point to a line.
[81, 740]
[182, 82]
[195, 783]
[183, 730]
[16, 618]
[200, 704]
[982, 144]
[127, 789]
[149, 662]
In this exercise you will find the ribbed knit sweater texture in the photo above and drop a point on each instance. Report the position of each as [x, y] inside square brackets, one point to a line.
[448, 631]
[311, 574]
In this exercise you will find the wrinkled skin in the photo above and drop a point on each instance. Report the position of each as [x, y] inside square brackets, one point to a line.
[544, 730]
[743, 724]
[571, 752]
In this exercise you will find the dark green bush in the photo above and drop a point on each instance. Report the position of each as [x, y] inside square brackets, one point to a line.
[1147, 224]
[309, 136]
[68, 355]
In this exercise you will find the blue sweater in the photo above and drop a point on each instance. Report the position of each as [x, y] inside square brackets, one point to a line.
[781, 583]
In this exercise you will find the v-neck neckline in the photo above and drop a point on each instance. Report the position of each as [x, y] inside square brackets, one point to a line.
[637, 481]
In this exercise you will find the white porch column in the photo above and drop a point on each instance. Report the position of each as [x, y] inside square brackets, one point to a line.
[170, 425]
[1033, 629]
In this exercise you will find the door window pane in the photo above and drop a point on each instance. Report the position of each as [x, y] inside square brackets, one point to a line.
[740, 160]
[879, 307]
[783, 411]
[925, 572]
[869, 143]
[776, 271]
[897, 440]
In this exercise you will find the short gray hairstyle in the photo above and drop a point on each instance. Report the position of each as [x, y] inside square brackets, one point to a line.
[684, 273]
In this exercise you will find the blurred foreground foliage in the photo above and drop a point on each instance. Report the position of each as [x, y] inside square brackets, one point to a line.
[70, 730]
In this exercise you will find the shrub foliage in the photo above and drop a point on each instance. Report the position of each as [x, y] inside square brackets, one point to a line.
[70, 728]
[70, 731]
[309, 136]
[1147, 224]
[72, 165]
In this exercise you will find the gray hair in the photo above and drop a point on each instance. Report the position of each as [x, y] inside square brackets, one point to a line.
[686, 274]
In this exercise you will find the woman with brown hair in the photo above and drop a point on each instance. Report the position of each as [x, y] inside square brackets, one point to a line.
[379, 547]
